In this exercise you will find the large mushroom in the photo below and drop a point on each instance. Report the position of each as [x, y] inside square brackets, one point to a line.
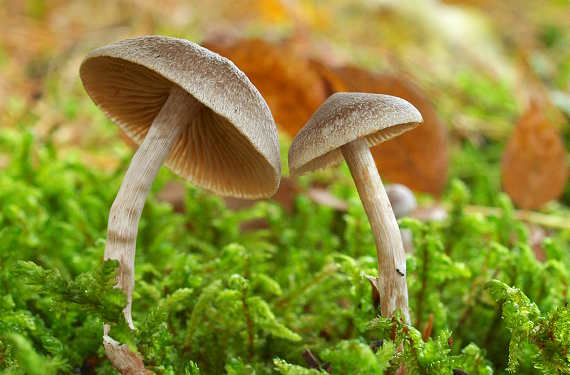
[347, 125]
[189, 108]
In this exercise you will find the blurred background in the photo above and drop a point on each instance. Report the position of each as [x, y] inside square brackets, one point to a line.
[491, 78]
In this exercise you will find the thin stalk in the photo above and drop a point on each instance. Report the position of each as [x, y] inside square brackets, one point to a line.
[126, 210]
[391, 281]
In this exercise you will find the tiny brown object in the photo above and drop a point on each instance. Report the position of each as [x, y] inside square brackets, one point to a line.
[345, 126]
[534, 166]
[122, 359]
[189, 108]
[426, 333]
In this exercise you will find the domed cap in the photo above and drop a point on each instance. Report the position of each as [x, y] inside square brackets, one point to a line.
[230, 147]
[346, 117]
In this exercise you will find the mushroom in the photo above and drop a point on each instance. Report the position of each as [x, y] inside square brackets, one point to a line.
[189, 108]
[403, 203]
[402, 199]
[347, 125]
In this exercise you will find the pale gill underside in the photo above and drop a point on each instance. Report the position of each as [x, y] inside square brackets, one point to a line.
[211, 152]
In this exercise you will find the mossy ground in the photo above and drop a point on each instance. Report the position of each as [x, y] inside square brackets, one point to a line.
[212, 296]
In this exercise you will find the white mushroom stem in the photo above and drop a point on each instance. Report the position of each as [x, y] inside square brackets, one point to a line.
[126, 210]
[391, 281]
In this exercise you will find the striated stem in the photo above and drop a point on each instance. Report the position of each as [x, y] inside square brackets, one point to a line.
[391, 280]
[126, 210]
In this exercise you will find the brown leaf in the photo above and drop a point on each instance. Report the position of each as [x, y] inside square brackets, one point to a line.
[291, 88]
[375, 290]
[534, 166]
[311, 360]
[123, 360]
[333, 81]
[285, 196]
[426, 333]
[430, 213]
[417, 159]
[325, 198]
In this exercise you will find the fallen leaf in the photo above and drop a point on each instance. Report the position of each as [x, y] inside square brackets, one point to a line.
[285, 196]
[325, 198]
[534, 166]
[426, 333]
[430, 213]
[311, 359]
[333, 81]
[122, 359]
[417, 159]
[292, 89]
[375, 291]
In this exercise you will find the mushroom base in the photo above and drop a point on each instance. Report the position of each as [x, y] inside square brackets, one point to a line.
[391, 281]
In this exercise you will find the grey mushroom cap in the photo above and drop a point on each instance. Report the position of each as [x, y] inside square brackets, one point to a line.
[231, 147]
[402, 199]
[346, 117]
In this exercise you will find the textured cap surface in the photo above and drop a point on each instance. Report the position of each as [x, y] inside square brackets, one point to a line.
[343, 118]
[231, 147]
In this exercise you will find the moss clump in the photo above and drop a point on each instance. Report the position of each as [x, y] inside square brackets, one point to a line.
[211, 298]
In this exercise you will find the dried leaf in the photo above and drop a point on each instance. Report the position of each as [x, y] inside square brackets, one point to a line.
[123, 360]
[291, 88]
[417, 159]
[430, 213]
[426, 333]
[285, 196]
[333, 81]
[534, 165]
[325, 198]
[311, 360]
[375, 290]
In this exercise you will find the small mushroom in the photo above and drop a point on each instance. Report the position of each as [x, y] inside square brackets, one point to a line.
[402, 200]
[347, 125]
[189, 108]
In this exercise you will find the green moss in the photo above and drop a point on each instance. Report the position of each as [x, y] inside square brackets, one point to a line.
[212, 296]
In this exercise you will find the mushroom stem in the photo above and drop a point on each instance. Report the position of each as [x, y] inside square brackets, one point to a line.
[391, 281]
[126, 210]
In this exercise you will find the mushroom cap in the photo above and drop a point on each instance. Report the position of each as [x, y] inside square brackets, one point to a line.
[343, 118]
[230, 147]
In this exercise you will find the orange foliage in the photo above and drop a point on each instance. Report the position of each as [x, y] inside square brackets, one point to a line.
[534, 166]
[294, 87]
[291, 88]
